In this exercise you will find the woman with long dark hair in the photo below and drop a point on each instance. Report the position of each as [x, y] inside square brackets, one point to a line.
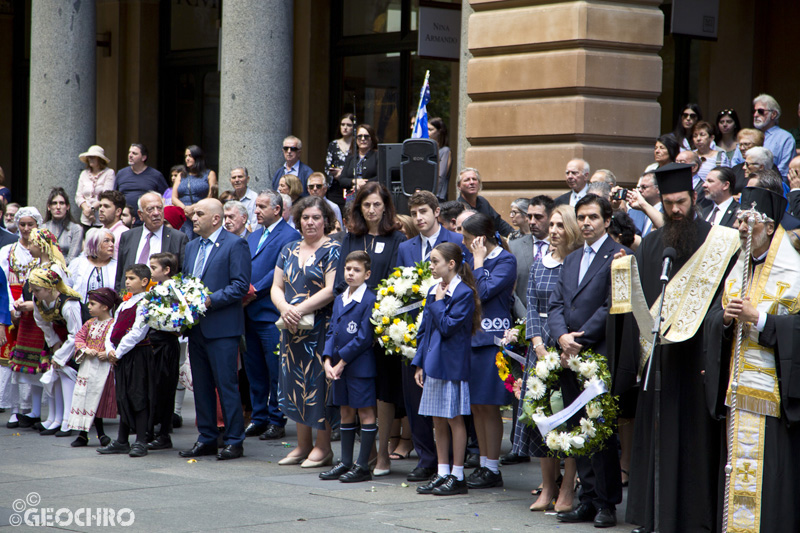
[728, 127]
[361, 166]
[339, 149]
[196, 183]
[59, 221]
[373, 228]
[690, 116]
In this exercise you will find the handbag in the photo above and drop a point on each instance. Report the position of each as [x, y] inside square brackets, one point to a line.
[306, 322]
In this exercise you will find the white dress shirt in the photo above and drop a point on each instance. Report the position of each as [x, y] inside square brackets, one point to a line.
[426, 240]
[714, 218]
[155, 242]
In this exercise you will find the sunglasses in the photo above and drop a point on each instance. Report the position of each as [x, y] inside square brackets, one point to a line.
[761, 111]
[314, 186]
[291, 149]
[688, 115]
[362, 137]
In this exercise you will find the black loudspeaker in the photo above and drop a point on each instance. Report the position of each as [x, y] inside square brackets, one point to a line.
[419, 168]
[389, 157]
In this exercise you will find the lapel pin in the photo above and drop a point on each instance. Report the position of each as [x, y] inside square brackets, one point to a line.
[216, 244]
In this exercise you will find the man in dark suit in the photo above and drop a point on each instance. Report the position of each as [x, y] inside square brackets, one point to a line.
[292, 148]
[794, 186]
[236, 218]
[138, 244]
[222, 261]
[577, 174]
[424, 209]
[718, 187]
[577, 317]
[261, 335]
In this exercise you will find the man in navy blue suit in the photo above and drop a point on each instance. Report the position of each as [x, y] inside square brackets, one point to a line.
[577, 317]
[292, 148]
[261, 335]
[222, 261]
[424, 209]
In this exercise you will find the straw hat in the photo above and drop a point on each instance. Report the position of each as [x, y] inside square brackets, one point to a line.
[96, 151]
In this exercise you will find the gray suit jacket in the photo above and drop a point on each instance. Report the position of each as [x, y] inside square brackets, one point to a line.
[522, 249]
[173, 241]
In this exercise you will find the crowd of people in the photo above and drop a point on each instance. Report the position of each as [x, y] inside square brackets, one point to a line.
[297, 266]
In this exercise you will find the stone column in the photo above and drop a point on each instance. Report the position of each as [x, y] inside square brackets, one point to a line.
[62, 103]
[551, 81]
[255, 88]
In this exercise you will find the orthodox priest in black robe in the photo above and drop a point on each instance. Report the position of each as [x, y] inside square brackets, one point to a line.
[690, 439]
[764, 492]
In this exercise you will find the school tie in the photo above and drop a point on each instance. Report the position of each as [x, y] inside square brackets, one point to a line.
[201, 258]
[713, 215]
[144, 257]
[428, 249]
[262, 240]
[588, 254]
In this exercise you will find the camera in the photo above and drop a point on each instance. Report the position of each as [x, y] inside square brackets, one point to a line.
[620, 194]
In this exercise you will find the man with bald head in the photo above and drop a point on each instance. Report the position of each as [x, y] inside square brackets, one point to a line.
[139, 243]
[221, 260]
[577, 176]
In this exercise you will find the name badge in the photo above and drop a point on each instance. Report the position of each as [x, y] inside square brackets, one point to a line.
[310, 260]
[379, 246]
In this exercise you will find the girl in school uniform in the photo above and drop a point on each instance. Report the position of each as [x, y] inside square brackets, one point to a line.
[495, 274]
[451, 317]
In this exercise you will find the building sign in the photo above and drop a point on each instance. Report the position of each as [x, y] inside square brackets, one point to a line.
[696, 18]
[439, 34]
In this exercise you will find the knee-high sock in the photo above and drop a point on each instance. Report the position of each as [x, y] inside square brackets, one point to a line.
[51, 410]
[348, 442]
[67, 388]
[36, 402]
[180, 392]
[141, 425]
[98, 425]
[368, 433]
[59, 401]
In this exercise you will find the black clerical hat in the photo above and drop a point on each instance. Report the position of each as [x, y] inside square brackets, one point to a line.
[674, 177]
[767, 202]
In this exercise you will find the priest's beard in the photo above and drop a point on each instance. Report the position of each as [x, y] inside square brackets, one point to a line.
[681, 234]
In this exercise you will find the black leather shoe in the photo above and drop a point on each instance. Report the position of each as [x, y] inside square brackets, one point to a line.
[80, 442]
[486, 480]
[38, 426]
[451, 487]
[199, 449]
[231, 451]
[472, 460]
[105, 440]
[273, 432]
[162, 442]
[640, 529]
[139, 449]
[67, 433]
[420, 473]
[52, 431]
[177, 420]
[356, 474]
[26, 421]
[254, 430]
[605, 518]
[336, 472]
[12, 425]
[583, 513]
[514, 459]
[434, 482]
[115, 447]
[476, 474]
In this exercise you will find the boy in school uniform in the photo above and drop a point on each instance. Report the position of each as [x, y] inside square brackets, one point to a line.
[350, 365]
[129, 347]
[166, 361]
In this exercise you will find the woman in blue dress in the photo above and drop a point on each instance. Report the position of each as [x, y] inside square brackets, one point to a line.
[196, 182]
[303, 285]
[565, 237]
[495, 272]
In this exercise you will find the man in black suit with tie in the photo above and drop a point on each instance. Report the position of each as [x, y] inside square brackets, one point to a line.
[577, 317]
[138, 244]
[718, 187]
[577, 175]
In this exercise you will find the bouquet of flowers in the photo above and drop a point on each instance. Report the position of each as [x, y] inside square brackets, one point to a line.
[510, 369]
[600, 412]
[395, 316]
[175, 305]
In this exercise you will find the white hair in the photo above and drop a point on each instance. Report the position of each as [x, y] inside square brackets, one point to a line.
[768, 101]
[287, 202]
[293, 138]
[236, 204]
[762, 156]
[139, 201]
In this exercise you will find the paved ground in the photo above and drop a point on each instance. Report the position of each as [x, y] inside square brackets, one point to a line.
[168, 494]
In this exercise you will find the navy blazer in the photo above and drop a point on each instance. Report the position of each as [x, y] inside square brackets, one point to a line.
[410, 252]
[584, 307]
[263, 265]
[227, 275]
[304, 171]
[495, 284]
[350, 336]
[6, 237]
[443, 352]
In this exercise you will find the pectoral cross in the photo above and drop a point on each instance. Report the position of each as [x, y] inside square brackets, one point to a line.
[745, 472]
[778, 299]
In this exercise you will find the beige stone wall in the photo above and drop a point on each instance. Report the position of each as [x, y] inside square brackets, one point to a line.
[550, 81]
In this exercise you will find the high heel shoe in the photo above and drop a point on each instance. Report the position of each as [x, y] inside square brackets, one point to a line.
[549, 506]
[326, 461]
[292, 460]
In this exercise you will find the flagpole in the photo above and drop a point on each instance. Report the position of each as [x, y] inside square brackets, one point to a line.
[421, 98]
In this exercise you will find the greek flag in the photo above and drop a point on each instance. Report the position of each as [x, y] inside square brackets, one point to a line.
[421, 122]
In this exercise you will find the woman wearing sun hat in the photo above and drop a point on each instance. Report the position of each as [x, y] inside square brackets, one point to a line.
[94, 179]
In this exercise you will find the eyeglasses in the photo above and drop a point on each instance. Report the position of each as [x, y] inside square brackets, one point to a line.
[760, 111]
[688, 115]
[514, 212]
[291, 149]
[643, 187]
[362, 137]
[314, 186]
